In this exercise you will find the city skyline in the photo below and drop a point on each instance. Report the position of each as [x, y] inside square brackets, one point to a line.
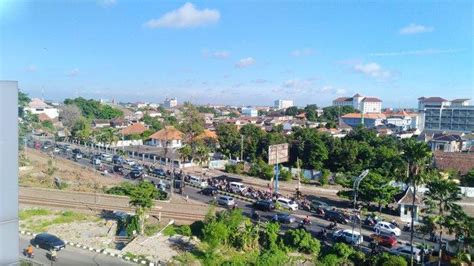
[238, 53]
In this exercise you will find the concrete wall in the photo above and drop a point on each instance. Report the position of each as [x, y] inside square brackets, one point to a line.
[9, 240]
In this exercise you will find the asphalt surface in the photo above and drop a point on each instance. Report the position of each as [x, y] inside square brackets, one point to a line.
[317, 223]
[70, 256]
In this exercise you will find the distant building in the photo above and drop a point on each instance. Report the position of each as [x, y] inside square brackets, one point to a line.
[38, 106]
[439, 114]
[361, 103]
[247, 111]
[168, 137]
[170, 102]
[367, 120]
[283, 104]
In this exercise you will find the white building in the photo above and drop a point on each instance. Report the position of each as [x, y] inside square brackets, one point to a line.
[168, 137]
[170, 102]
[38, 106]
[439, 114]
[283, 104]
[361, 103]
[247, 111]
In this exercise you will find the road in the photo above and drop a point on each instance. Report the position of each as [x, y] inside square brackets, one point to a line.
[193, 193]
[71, 256]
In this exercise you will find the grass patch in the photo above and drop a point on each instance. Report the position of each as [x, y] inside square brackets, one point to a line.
[172, 230]
[152, 229]
[26, 214]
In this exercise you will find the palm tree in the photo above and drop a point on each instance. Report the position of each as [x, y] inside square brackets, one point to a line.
[416, 155]
[441, 199]
[185, 153]
[142, 197]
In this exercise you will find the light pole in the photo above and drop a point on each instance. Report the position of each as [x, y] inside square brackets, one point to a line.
[355, 188]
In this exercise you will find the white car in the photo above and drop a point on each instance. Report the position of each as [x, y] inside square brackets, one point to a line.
[405, 251]
[197, 181]
[130, 162]
[106, 157]
[348, 237]
[225, 201]
[288, 204]
[387, 228]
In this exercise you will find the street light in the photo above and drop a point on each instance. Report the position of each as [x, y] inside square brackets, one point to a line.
[355, 188]
[159, 233]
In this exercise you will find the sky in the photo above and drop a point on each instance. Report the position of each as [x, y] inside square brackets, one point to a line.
[238, 52]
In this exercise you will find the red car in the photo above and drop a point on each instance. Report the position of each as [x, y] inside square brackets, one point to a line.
[384, 240]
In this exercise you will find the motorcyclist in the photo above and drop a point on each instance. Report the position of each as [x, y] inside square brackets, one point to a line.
[29, 250]
[53, 254]
[306, 220]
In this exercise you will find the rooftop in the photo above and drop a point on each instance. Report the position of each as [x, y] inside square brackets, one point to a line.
[167, 133]
[137, 128]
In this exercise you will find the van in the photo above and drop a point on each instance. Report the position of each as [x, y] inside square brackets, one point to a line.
[288, 204]
[236, 187]
[197, 181]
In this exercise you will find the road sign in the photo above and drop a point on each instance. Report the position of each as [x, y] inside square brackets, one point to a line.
[278, 153]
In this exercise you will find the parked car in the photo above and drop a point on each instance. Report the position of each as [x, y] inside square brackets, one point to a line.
[117, 159]
[336, 216]
[159, 172]
[283, 218]
[236, 187]
[315, 204]
[48, 242]
[405, 251]
[197, 181]
[130, 162]
[387, 228]
[95, 160]
[77, 156]
[56, 150]
[106, 157]
[137, 167]
[264, 205]
[288, 204]
[134, 174]
[388, 241]
[225, 201]
[76, 150]
[349, 237]
[209, 191]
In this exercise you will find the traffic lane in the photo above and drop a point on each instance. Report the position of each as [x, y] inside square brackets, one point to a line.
[70, 256]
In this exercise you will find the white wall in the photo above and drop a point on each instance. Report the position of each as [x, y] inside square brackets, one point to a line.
[9, 240]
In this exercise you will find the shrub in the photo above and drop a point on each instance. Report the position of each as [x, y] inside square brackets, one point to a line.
[302, 241]
[285, 175]
[324, 180]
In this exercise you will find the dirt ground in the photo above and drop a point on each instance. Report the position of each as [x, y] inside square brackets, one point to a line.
[41, 169]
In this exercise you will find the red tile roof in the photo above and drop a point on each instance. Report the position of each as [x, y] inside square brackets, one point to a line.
[44, 117]
[167, 133]
[137, 128]
[461, 162]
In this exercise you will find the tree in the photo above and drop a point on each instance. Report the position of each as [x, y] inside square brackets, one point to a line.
[229, 139]
[153, 122]
[253, 137]
[193, 122]
[416, 155]
[142, 198]
[81, 129]
[69, 115]
[441, 199]
[93, 109]
[185, 153]
[107, 136]
[292, 111]
[378, 189]
[468, 179]
[302, 241]
[311, 112]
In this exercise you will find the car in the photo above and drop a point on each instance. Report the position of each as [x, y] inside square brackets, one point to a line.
[388, 228]
[197, 181]
[106, 157]
[76, 150]
[48, 242]
[209, 191]
[348, 236]
[316, 204]
[225, 201]
[264, 205]
[134, 174]
[130, 162]
[388, 241]
[159, 172]
[117, 159]
[95, 160]
[288, 204]
[118, 168]
[405, 251]
[236, 187]
[137, 167]
[56, 150]
[77, 156]
[336, 216]
[283, 218]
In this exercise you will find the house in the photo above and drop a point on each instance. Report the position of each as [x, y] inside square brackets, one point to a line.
[100, 123]
[361, 103]
[458, 161]
[405, 205]
[118, 123]
[247, 111]
[446, 143]
[133, 129]
[44, 117]
[367, 120]
[168, 137]
[38, 106]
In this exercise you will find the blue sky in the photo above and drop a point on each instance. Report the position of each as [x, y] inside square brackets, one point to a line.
[239, 52]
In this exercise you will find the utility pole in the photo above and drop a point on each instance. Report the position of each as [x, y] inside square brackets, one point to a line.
[355, 188]
[241, 147]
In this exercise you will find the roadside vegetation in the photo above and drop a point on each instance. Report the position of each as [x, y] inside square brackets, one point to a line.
[39, 220]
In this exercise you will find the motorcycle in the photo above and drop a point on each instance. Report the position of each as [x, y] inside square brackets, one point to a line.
[332, 226]
[256, 216]
[52, 257]
[322, 234]
[406, 228]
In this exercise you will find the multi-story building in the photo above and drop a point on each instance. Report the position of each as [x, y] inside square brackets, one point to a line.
[361, 103]
[248, 111]
[38, 106]
[170, 102]
[366, 120]
[283, 104]
[439, 114]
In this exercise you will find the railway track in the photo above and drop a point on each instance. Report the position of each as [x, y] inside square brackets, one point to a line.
[175, 215]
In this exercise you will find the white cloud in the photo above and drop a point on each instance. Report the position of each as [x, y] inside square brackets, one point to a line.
[419, 52]
[107, 3]
[373, 70]
[216, 54]
[302, 52]
[31, 68]
[330, 90]
[245, 62]
[186, 16]
[73, 72]
[415, 28]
